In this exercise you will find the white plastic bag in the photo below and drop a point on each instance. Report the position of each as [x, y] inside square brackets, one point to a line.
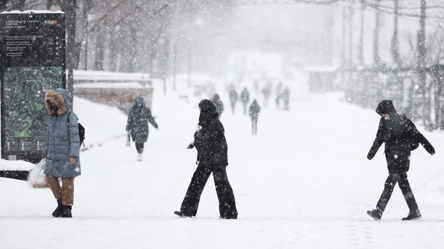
[36, 176]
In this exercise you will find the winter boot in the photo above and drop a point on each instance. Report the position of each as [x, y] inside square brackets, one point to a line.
[413, 215]
[59, 209]
[66, 213]
[140, 157]
[229, 217]
[180, 214]
[375, 213]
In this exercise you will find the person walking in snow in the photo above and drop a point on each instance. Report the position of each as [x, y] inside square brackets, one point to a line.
[286, 98]
[245, 97]
[278, 95]
[61, 150]
[400, 137]
[233, 98]
[218, 103]
[266, 91]
[254, 115]
[212, 157]
[137, 124]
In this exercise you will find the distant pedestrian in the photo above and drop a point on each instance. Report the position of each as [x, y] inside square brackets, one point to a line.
[286, 98]
[245, 97]
[400, 137]
[219, 105]
[254, 115]
[266, 91]
[212, 157]
[233, 98]
[61, 150]
[137, 124]
[278, 95]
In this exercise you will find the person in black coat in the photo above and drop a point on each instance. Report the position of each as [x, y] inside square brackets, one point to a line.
[400, 137]
[212, 157]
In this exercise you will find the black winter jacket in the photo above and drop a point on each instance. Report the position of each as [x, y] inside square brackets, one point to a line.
[400, 137]
[210, 141]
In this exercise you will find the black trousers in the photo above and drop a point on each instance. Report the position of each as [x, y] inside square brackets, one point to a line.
[254, 125]
[401, 179]
[139, 147]
[227, 203]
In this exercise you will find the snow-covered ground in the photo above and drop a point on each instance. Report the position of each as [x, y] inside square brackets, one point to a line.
[303, 182]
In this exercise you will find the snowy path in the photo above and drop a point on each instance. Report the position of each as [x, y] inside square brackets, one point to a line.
[303, 182]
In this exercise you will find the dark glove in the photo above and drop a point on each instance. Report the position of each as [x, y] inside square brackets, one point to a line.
[190, 146]
[370, 155]
[429, 148]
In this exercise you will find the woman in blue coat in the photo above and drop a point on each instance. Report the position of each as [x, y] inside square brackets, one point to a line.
[61, 150]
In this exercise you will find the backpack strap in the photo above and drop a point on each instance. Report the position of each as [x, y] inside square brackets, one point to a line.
[67, 124]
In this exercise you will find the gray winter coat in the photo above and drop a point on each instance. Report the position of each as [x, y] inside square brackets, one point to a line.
[62, 140]
[137, 123]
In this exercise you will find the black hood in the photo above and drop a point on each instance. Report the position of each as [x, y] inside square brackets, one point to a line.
[208, 112]
[385, 107]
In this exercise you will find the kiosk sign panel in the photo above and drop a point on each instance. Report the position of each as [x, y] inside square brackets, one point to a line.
[32, 61]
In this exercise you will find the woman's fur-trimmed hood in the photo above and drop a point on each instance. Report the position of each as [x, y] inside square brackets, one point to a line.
[58, 97]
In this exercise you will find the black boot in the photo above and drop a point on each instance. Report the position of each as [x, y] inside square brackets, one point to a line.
[66, 213]
[375, 213]
[413, 215]
[58, 211]
[229, 217]
[180, 214]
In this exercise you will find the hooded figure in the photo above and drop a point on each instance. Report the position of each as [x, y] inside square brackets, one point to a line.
[61, 150]
[212, 157]
[137, 124]
[400, 137]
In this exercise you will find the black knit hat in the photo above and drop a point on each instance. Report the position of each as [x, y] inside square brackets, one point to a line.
[385, 107]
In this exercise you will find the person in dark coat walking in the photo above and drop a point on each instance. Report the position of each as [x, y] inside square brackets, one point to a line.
[254, 115]
[212, 157]
[245, 97]
[233, 98]
[218, 103]
[278, 95]
[286, 98]
[400, 137]
[137, 124]
[266, 91]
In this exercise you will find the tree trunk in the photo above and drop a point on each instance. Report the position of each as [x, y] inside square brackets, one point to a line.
[344, 35]
[361, 40]
[422, 65]
[350, 37]
[100, 49]
[70, 9]
[395, 40]
[114, 49]
[132, 66]
[376, 36]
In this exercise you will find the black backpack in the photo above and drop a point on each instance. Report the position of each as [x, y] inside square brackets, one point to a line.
[81, 131]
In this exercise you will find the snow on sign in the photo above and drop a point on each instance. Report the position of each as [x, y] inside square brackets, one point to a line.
[32, 61]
